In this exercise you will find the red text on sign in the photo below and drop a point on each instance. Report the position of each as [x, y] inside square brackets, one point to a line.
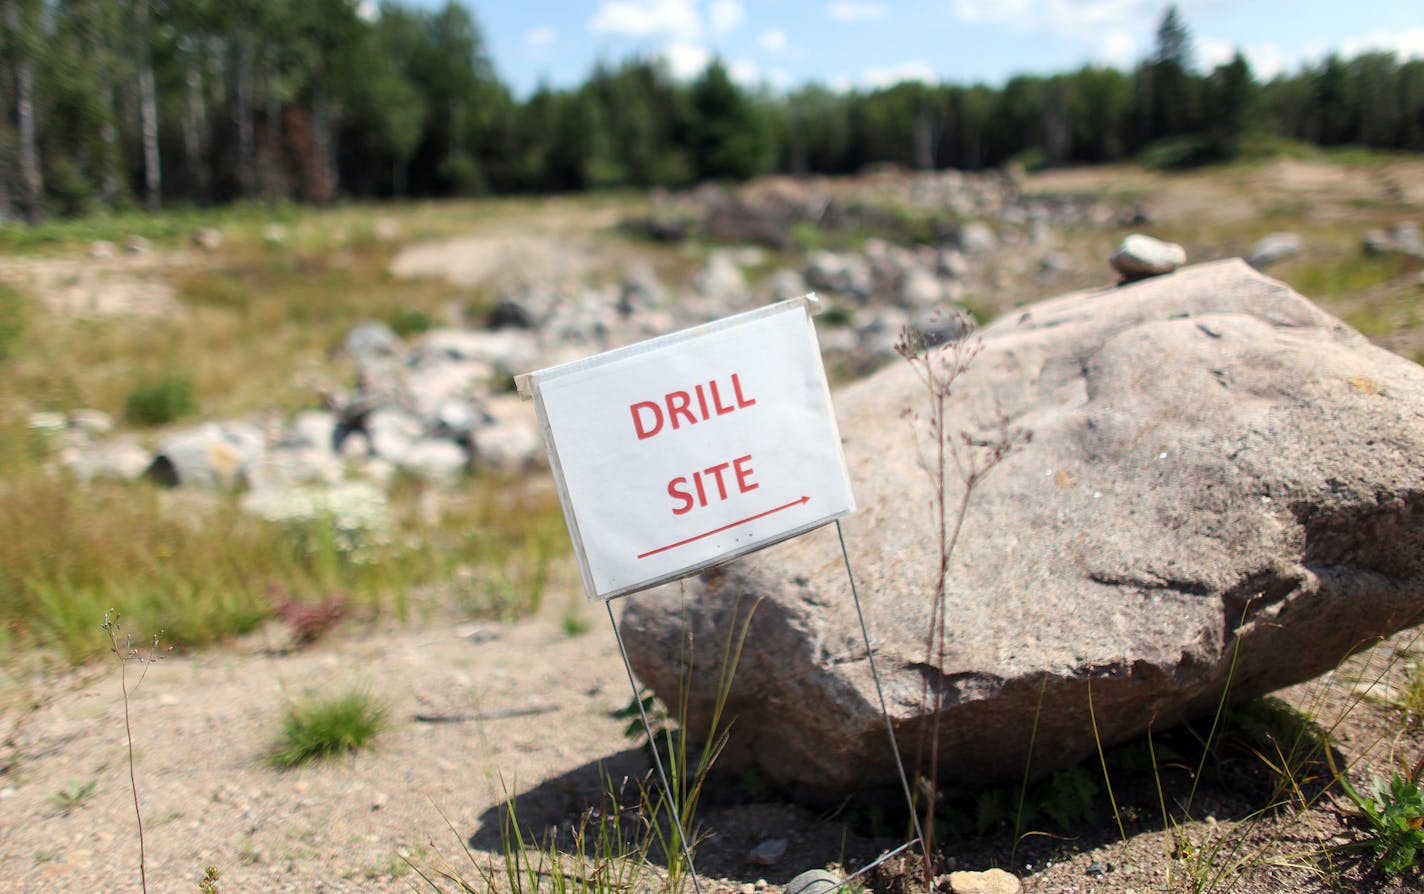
[678, 408]
[713, 482]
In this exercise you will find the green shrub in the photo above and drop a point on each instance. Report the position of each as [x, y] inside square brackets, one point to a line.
[160, 401]
[328, 727]
[406, 323]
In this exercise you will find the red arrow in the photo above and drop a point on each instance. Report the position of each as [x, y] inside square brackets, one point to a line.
[750, 518]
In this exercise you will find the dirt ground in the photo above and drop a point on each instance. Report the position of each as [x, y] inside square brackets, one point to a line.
[482, 712]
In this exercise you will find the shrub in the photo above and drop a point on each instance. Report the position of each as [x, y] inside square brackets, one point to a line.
[327, 727]
[160, 401]
[406, 323]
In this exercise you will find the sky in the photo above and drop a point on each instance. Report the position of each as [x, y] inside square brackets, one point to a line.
[846, 44]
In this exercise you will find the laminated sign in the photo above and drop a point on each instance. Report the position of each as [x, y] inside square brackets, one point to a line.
[687, 450]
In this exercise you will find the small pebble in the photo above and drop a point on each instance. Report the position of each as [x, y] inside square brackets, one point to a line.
[768, 852]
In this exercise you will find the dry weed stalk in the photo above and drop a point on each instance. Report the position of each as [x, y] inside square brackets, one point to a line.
[126, 654]
[949, 456]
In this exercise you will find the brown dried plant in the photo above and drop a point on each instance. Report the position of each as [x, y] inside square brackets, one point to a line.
[125, 654]
[957, 462]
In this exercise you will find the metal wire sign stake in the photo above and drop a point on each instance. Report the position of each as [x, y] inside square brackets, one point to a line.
[688, 450]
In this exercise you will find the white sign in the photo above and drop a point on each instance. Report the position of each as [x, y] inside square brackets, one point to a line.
[691, 449]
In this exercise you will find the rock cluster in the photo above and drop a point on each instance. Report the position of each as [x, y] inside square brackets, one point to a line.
[777, 211]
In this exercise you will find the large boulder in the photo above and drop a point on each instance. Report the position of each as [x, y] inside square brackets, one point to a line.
[1222, 486]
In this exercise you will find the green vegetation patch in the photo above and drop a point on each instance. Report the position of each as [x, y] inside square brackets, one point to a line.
[322, 728]
[161, 400]
[12, 321]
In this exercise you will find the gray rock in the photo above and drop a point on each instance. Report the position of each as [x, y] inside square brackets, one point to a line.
[101, 250]
[434, 459]
[641, 291]
[941, 325]
[1215, 462]
[391, 432]
[813, 881]
[977, 238]
[510, 349]
[123, 459]
[210, 455]
[879, 331]
[285, 467]
[1404, 239]
[845, 274]
[433, 385]
[767, 853]
[510, 442]
[1140, 256]
[785, 283]
[311, 429]
[94, 423]
[458, 419]
[372, 340]
[137, 245]
[1274, 248]
[920, 288]
[722, 280]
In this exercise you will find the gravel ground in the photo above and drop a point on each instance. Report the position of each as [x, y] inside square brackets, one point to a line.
[479, 710]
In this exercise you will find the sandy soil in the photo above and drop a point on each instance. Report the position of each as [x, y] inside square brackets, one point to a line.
[479, 712]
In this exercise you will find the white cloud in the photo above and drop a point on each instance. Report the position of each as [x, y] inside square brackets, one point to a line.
[1118, 49]
[673, 19]
[772, 40]
[1078, 19]
[1212, 51]
[686, 60]
[726, 16]
[907, 71]
[538, 38]
[368, 11]
[851, 11]
[1266, 61]
[744, 72]
[1405, 44]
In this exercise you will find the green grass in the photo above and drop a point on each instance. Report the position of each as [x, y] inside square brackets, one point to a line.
[256, 332]
[12, 320]
[160, 401]
[328, 727]
[199, 568]
[74, 796]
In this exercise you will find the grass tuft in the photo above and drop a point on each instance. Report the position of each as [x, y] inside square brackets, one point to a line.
[322, 728]
[161, 400]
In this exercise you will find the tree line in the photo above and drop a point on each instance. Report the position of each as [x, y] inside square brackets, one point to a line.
[118, 103]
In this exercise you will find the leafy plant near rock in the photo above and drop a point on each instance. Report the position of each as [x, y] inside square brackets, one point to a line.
[1393, 817]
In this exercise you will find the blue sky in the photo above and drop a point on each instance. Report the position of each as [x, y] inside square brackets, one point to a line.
[863, 43]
